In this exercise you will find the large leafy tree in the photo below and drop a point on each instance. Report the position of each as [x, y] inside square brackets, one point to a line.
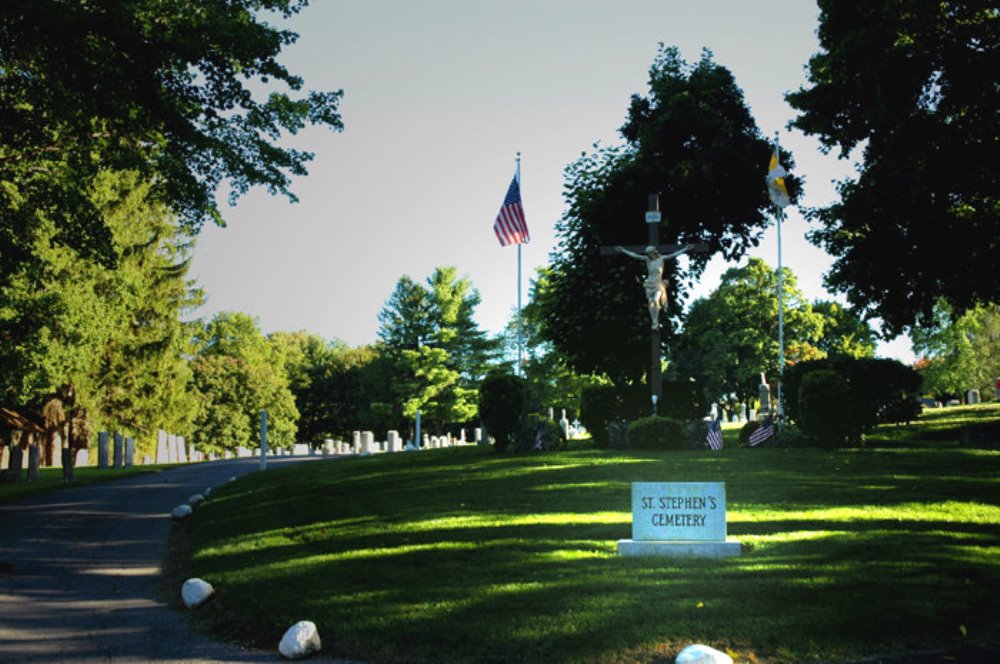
[959, 353]
[437, 349]
[693, 140]
[913, 85]
[237, 374]
[731, 336]
[108, 343]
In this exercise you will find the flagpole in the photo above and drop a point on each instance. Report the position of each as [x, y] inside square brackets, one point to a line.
[519, 336]
[781, 308]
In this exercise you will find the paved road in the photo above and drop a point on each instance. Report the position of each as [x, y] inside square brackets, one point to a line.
[79, 571]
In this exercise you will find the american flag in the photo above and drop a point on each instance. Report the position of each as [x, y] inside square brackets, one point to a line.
[510, 225]
[715, 435]
[763, 432]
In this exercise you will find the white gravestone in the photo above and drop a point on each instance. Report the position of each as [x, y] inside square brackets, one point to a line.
[181, 450]
[162, 454]
[356, 442]
[679, 519]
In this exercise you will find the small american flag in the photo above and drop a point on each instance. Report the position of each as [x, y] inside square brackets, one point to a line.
[763, 432]
[715, 435]
[510, 226]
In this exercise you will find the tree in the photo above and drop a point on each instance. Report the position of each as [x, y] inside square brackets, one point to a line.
[693, 140]
[731, 336]
[903, 81]
[844, 333]
[178, 95]
[237, 375]
[108, 343]
[959, 355]
[438, 352]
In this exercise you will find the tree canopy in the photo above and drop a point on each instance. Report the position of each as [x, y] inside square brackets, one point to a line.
[731, 336]
[163, 88]
[912, 85]
[693, 140]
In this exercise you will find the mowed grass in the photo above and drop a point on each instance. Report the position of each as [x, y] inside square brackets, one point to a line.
[463, 555]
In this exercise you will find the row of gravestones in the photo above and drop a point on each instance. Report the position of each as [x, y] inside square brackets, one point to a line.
[363, 442]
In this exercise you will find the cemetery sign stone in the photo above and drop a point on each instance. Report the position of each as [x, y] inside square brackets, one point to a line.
[680, 519]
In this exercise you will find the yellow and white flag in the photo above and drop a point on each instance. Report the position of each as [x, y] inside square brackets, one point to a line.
[776, 182]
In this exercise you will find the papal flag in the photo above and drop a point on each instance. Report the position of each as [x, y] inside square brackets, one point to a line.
[510, 226]
[776, 188]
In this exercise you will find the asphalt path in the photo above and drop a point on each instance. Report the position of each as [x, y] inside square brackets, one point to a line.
[80, 572]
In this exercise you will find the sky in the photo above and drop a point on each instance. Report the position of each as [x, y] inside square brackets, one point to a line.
[439, 97]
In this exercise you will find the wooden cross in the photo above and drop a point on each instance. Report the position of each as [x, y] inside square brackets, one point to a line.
[653, 218]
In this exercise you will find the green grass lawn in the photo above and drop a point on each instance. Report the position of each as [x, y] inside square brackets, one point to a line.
[466, 555]
[51, 479]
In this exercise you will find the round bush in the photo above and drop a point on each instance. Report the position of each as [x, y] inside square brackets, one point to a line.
[657, 433]
[598, 406]
[501, 402]
[538, 433]
[824, 411]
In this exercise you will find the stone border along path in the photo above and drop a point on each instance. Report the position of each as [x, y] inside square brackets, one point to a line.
[80, 570]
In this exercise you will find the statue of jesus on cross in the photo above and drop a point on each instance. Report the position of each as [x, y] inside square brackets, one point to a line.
[656, 289]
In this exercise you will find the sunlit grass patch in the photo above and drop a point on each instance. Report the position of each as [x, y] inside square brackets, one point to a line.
[464, 555]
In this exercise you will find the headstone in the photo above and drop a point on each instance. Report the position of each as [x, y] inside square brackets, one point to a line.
[82, 458]
[426, 442]
[146, 459]
[478, 436]
[743, 412]
[193, 454]
[367, 442]
[764, 395]
[119, 449]
[129, 452]
[300, 449]
[162, 451]
[34, 460]
[461, 436]
[972, 397]
[394, 441]
[182, 456]
[679, 519]
[102, 449]
[15, 463]
[57, 451]
[356, 442]
[172, 448]
[953, 402]
[564, 424]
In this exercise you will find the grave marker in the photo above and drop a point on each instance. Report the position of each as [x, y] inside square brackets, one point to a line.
[679, 519]
[102, 449]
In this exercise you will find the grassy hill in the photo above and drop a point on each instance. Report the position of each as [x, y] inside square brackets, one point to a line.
[466, 555]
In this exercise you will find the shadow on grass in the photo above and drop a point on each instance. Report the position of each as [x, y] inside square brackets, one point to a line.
[461, 556]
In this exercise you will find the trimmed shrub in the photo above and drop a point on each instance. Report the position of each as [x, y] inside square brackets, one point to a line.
[501, 404]
[538, 433]
[879, 390]
[824, 411]
[683, 400]
[598, 406]
[657, 433]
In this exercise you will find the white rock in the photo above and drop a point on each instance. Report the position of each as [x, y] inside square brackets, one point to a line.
[195, 499]
[301, 640]
[181, 512]
[699, 654]
[196, 592]
[232, 479]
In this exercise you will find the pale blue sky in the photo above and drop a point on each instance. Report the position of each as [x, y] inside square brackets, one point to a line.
[439, 95]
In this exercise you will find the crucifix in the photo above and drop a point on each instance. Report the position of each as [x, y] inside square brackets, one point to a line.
[655, 255]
